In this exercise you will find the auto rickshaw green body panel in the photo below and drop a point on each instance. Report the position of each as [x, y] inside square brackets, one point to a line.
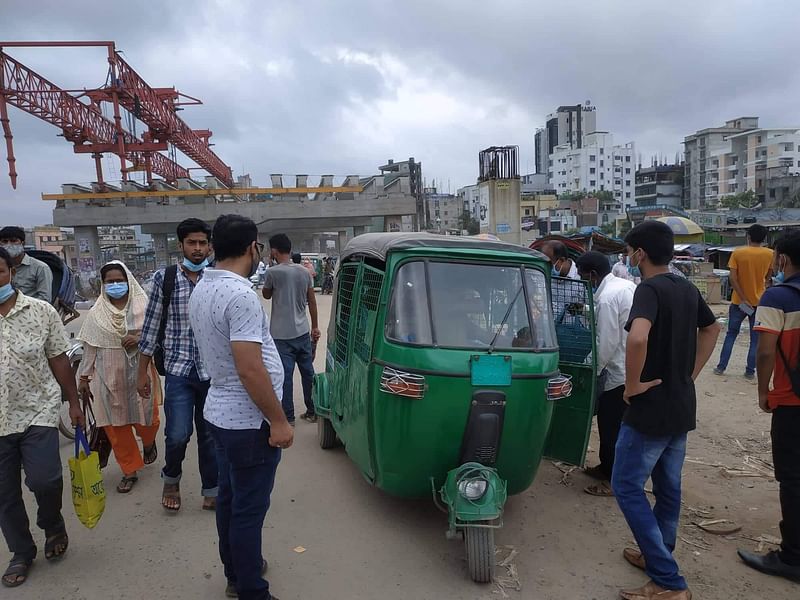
[402, 407]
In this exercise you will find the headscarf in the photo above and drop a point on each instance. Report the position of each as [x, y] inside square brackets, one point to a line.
[105, 324]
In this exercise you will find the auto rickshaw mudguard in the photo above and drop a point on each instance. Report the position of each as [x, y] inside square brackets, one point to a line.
[487, 510]
[321, 395]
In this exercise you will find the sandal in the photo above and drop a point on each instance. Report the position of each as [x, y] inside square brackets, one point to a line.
[596, 473]
[127, 483]
[600, 489]
[230, 589]
[171, 497]
[17, 573]
[150, 454]
[55, 546]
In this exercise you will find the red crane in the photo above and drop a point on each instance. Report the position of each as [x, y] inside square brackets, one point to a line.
[90, 132]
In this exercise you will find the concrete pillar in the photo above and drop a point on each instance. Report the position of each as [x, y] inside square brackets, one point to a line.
[161, 250]
[315, 244]
[343, 239]
[87, 250]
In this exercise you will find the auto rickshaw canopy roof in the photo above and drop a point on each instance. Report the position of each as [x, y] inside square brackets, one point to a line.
[380, 245]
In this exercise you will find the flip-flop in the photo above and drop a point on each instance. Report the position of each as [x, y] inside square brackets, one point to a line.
[596, 473]
[58, 539]
[599, 489]
[172, 492]
[126, 484]
[17, 569]
[150, 454]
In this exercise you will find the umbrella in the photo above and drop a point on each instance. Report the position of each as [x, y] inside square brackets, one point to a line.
[681, 225]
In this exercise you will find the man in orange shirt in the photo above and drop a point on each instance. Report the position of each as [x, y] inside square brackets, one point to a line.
[778, 324]
[750, 266]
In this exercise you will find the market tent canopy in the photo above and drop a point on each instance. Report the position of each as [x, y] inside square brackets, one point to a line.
[682, 226]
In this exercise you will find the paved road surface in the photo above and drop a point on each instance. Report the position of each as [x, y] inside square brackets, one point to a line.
[361, 544]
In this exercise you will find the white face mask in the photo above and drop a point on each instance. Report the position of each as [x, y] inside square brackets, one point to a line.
[14, 250]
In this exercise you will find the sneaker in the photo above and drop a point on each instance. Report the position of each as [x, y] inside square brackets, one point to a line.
[718, 371]
[749, 376]
[310, 417]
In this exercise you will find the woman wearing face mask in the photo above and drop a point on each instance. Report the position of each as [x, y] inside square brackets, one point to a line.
[109, 367]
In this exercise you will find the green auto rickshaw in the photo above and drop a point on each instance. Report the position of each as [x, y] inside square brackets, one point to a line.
[452, 367]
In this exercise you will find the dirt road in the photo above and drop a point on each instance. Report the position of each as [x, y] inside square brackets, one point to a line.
[363, 545]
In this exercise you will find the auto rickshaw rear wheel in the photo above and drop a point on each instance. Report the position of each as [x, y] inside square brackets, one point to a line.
[326, 434]
[480, 553]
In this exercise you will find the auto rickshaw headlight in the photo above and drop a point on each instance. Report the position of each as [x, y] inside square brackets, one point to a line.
[473, 488]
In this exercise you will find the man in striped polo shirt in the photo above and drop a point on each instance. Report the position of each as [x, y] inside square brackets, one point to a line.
[778, 323]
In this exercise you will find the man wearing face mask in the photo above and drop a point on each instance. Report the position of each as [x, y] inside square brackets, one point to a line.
[613, 298]
[777, 359]
[33, 278]
[167, 328]
[563, 265]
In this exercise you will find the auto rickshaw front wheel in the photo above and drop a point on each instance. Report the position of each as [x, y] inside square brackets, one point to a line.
[326, 434]
[480, 553]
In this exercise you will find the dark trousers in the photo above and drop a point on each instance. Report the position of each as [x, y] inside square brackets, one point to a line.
[786, 457]
[610, 410]
[297, 351]
[35, 451]
[735, 319]
[247, 465]
[184, 400]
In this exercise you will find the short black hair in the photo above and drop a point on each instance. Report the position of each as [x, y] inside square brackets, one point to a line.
[559, 249]
[12, 232]
[655, 238]
[232, 236]
[112, 267]
[593, 261]
[789, 245]
[281, 243]
[757, 233]
[297, 258]
[6, 257]
[192, 225]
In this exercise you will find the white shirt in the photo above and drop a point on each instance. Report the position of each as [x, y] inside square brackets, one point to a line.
[612, 302]
[222, 309]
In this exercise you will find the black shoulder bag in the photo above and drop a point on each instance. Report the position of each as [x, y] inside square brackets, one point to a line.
[794, 373]
[170, 274]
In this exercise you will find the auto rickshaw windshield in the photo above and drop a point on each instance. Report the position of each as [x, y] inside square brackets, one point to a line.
[468, 305]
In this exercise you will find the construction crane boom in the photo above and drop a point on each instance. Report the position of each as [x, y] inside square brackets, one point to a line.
[81, 124]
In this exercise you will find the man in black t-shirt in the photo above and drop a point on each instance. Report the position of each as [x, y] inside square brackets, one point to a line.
[671, 335]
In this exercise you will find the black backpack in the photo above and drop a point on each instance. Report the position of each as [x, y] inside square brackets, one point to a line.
[794, 373]
[170, 274]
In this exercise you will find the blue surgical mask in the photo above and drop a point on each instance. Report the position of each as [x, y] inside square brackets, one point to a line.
[632, 271]
[116, 290]
[190, 266]
[556, 272]
[6, 291]
[780, 277]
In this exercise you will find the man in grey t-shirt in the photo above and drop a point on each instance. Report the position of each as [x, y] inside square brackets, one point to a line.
[291, 290]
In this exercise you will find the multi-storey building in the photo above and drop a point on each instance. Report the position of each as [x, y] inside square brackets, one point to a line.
[569, 126]
[660, 185]
[738, 157]
[471, 200]
[444, 210]
[598, 165]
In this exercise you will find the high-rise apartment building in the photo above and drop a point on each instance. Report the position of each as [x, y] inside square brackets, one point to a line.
[569, 125]
[738, 157]
[598, 165]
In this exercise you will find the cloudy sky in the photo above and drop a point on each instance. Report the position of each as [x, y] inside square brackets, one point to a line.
[314, 86]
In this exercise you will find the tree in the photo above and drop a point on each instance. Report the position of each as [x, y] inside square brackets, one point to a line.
[607, 229]
[604, 196]
[746, 199]
[470, 223]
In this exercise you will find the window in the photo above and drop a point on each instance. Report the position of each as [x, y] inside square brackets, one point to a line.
[602, 187]
[602, 163]
[602, 151]
[628, 183]
[627, 194]
[592, 183]
[549, 163]
[627, 171]
[618, 182]
[592, 158]
[627, 159]
[472, 306]
[592, 170]
[602, 175]
[772, 193]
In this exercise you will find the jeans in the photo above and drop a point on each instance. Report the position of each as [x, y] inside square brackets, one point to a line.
[247, 465]
[610, 410]
[184, 400]
[638, 458]
[735, 319]
[786, 457]
[297, 351]
[35, 451]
